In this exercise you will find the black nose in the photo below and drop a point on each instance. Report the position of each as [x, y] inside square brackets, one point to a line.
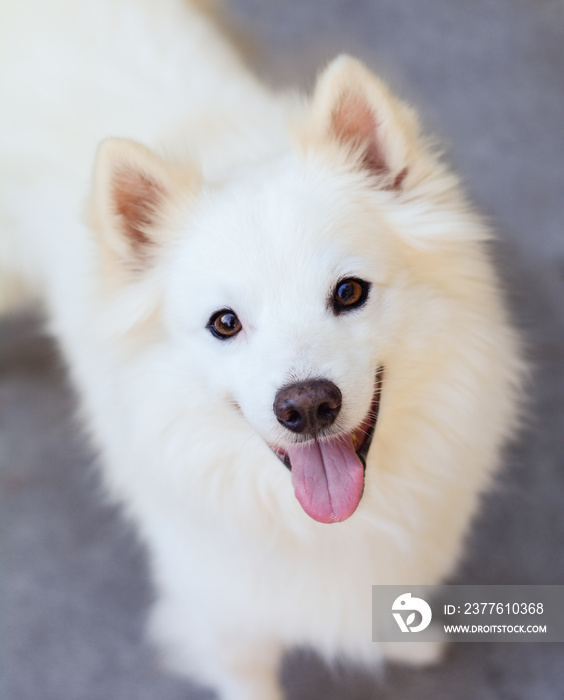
[308, 407]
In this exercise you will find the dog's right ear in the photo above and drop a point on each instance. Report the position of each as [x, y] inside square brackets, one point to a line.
[132, 201]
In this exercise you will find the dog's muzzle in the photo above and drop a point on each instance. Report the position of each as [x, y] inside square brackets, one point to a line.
[327, 471]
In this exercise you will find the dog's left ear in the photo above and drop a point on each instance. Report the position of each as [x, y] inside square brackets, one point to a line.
[132, 202]
[355, 109]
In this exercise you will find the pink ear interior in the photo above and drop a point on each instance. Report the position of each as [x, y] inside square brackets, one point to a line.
[136, 199]
[354, 122]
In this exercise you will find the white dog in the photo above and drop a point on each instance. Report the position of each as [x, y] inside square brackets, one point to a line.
[282, 321]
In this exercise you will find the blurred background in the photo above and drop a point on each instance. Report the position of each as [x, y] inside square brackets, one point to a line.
[488, 78]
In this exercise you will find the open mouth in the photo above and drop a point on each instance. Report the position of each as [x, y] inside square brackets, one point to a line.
[328, 474]
[362, 436]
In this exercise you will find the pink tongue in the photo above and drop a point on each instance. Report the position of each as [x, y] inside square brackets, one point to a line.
[328, 478]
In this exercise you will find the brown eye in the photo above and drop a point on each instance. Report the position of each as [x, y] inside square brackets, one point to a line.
[224, 324]
[350, 293]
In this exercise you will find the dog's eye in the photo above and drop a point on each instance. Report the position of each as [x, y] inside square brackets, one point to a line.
[349, 294]
[224, 324]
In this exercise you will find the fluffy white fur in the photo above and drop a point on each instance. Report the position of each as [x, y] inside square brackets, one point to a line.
[258, 202]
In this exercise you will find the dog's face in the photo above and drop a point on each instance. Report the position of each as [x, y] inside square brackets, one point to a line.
[279, 295]
[282, 286]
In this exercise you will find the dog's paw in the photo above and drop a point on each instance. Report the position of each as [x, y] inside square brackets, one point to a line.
[414, 653]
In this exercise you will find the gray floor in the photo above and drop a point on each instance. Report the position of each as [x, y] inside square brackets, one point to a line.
[489, 78]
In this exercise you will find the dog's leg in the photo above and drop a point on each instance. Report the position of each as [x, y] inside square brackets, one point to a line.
[249, 672]
[239, 666]
[414, 653]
